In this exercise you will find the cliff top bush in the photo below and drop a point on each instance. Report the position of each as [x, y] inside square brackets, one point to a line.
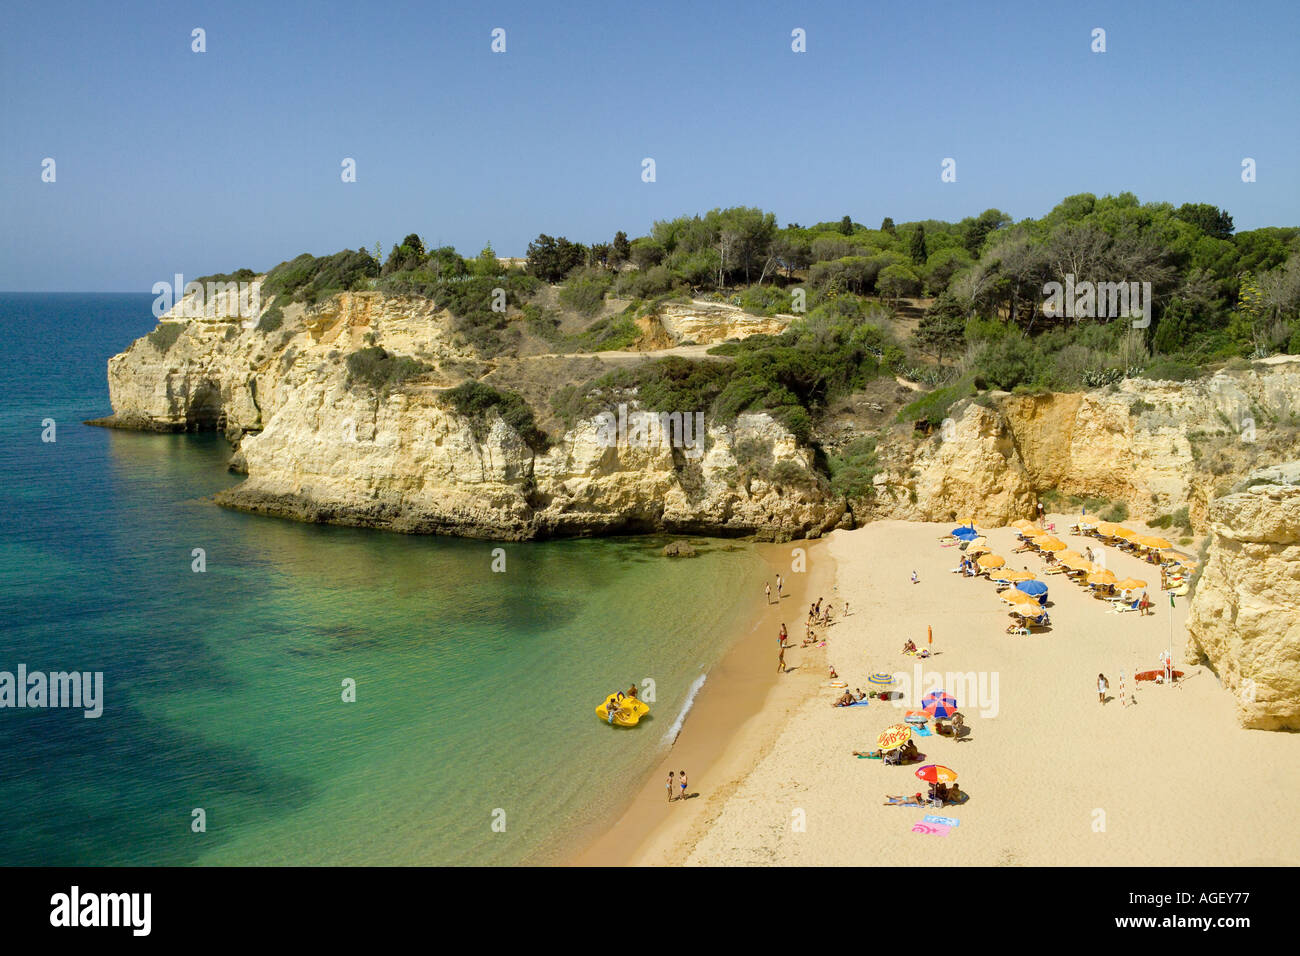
[309, 279]
[165, 335]
[475, 400]
[381, 370]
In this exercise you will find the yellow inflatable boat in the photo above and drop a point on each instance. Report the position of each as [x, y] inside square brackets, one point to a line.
[627, 711]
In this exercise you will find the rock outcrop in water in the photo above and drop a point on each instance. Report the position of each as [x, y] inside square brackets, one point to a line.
[1245, 617]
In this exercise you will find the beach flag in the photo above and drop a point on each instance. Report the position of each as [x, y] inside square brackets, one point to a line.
[1123, 694]
[1171, 599]
[929, 633]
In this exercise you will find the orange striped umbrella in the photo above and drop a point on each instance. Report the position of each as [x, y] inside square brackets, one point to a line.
[1130, 584]
[990, 561]
[1125, 533]
[1050, 543]
[1016, 596]
[1150, 541]
[1015, 576]
[1102, 577]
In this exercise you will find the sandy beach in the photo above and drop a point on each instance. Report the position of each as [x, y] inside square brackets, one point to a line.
[729, 728]
[1053, 776]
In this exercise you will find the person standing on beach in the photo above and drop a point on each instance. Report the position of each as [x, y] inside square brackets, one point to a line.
[1102, 687]
[779, 585]
[783, 636]
[780, 661]
[1041, 513]
[670, 786]
[682, 778]
[767, 592]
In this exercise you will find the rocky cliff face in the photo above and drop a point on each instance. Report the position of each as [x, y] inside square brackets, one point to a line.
[319, 447]
[1245, 616]
[1156, 446]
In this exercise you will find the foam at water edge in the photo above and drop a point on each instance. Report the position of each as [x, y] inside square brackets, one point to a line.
[670, 738]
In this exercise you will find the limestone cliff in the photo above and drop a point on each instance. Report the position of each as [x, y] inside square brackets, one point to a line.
[1156, 446]
[320, 447]
[1245, 615]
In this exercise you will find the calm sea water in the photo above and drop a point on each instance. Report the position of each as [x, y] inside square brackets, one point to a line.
[223, 690]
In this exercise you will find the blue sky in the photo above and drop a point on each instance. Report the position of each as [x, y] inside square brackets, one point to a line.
[173, 161]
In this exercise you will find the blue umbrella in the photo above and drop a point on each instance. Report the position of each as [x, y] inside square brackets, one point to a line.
[1034, 589]
[965, 534]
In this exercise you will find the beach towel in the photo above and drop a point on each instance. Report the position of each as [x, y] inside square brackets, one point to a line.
[921, 730]
[867, 756]
[932, 829]
[942, 821]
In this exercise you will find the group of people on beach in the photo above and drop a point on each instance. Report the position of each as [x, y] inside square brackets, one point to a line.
[780, 589]
[818, 616]
[681, 782]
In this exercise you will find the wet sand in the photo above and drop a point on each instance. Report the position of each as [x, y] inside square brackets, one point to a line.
[736, 717]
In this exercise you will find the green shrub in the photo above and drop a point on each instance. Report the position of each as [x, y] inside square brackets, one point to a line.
[1180, 519]
[1117, 512]
[612, 332]
[1172, 370]
[933, 406]
[853, 467]
[310, 279]
[474, 400]
[381, 370]
[165, 335]
[273, 318]
[584, 290]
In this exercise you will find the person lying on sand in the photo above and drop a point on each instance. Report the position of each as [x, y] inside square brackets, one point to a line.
[844, 699]
[901, 801]
[909, 647]
[872, 754]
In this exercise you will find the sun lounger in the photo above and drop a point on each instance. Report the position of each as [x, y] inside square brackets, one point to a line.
[1121, 608]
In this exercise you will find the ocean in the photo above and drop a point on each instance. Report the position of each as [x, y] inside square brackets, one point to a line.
[225, 737]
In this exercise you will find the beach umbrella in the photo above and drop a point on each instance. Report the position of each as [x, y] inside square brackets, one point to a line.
[1102, 577]
[1029, 533]
[881, 680]
[1050, 543]
[1107, 528]
[1152, 542]
[1015, 596]
[1125, 533]
[1013, 577]
[988, 562]
[976, 542]
[965, 534]
[1035, 589]
[1024, 524]
[939, 704]
[893, 737]
[977, 549]
[1130, 584]
[936, 773]
[1076, 562]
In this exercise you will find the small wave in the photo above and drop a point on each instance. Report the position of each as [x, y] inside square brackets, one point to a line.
[670, 738]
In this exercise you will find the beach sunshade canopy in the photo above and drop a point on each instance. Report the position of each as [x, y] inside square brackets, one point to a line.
[936, 773]
[975, 549]
[1125, 533]
[1130, 584]
[991, 561]
[1016, 596]
[965, 534]
[1102, 577]
[1050, 543]
[891, 738]
[976, 542]
[881, 680]
[939, 704]
[1032, 588]
[1076, 562]
[1107, 528]
[1150, 541]
[1033, 533]
[1015, 577]
[1024, 524]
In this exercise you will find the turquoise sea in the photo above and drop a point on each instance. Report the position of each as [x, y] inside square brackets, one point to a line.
[475, 691]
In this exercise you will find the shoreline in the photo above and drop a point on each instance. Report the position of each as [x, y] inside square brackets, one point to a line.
[730, 725]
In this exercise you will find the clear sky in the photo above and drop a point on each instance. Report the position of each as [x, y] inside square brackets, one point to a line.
[173, 161]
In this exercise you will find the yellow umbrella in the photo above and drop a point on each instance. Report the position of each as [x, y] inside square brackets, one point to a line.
[1069, 554]
[1024, 524]
[1077, 563]
[978, 550]
[1050, 543]
[977, 542]
[990, 561]
[1107, 528]
[1150, 541]
[1130, 584]
[1102, 577]
[891, 738]
[1125, 533]
[1016, 596]
[1015, 576]
[1032, 533]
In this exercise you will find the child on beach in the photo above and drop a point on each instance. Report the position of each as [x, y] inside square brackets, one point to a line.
[1102, 687]
[670, 786]
[915, 579]
[682, 778]
[767, 593]
[779, 585]
[780, 661]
